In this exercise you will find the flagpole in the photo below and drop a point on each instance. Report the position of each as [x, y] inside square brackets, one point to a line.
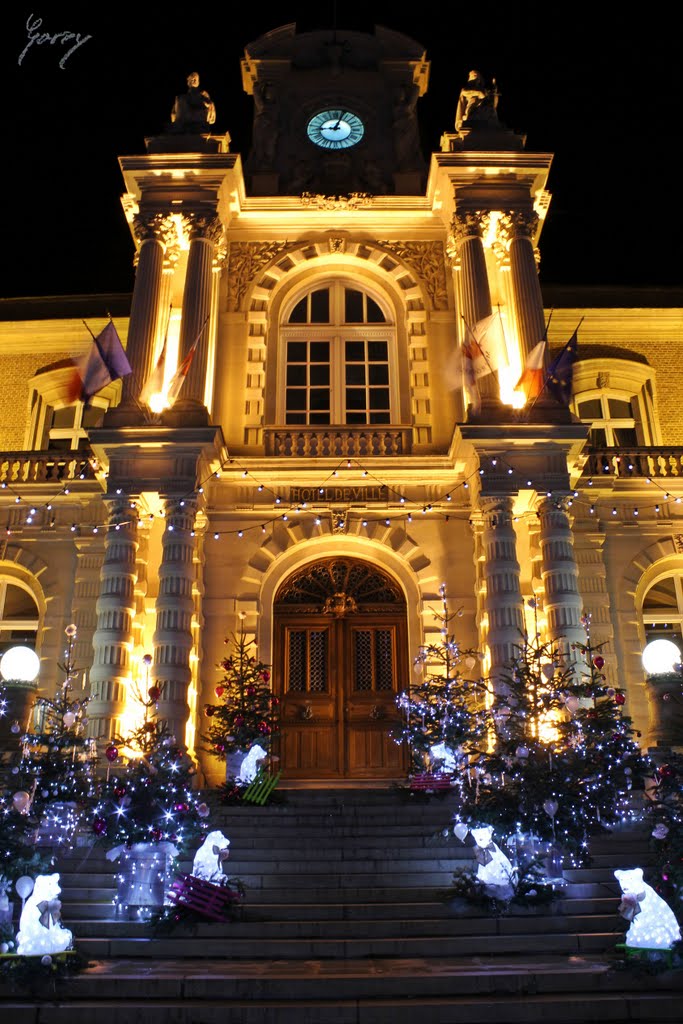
[546, 377]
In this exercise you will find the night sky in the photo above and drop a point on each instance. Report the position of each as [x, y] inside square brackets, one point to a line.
[598, 90]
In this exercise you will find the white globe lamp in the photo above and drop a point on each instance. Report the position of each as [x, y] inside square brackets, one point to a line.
[661, 657]
[19, 663]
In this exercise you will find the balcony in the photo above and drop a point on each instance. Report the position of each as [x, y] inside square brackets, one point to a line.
[24, 468]
[337, 442]
[632, 463]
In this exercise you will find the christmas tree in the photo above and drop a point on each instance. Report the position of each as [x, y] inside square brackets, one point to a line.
[246, 714]
[441, 713]
[147, 796]
[664, 813]
[57, 763]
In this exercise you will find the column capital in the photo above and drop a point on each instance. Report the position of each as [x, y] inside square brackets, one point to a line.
[156, 227]
[468, 224]
[204, 226]
[514, 224]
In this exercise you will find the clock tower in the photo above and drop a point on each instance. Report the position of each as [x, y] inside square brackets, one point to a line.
[335, 112]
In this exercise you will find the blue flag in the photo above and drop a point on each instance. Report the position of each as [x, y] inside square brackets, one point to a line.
[104, 362]
[561, 371]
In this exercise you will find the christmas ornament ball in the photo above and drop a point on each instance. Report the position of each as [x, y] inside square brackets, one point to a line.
[154, 693]
[598, 661]
[219, 691]
[111, 753]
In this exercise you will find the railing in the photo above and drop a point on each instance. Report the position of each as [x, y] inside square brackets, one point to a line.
[18, 468]
[634, 462]
[347, 442]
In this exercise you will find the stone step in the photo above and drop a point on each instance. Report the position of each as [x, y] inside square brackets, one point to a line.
[341, 948]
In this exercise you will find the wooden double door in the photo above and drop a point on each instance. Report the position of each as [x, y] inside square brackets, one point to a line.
[338, 673]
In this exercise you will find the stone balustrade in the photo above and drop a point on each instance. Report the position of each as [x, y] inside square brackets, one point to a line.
[624, 463]
[312, 442]
[50, 467]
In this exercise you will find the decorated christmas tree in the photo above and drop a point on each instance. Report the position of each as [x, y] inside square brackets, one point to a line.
[664, 813]
[246, 714]
[147, 795]
[57, 763]
[442, 711]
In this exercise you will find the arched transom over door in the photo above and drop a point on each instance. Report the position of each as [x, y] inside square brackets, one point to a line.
[340, 661]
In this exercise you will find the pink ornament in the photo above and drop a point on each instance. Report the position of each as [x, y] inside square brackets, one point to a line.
[598, 661]
[111, 753]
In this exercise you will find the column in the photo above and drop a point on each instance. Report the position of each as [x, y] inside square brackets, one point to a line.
[518, 228]
[174, 607]
[205, 231]
[503, 602]
[559, 572]
[472, 282]
[115, 608]
[154, 231]
[89, 554]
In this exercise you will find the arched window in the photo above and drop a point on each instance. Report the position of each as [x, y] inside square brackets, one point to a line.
[57, 424]
[616, 398]
[663, 610]
[338, 361]
[19, 617]
[613, 419]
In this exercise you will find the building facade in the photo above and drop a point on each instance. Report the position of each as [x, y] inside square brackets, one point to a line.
[326, 466]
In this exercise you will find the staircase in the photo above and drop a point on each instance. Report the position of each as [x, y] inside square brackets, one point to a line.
[345, 921]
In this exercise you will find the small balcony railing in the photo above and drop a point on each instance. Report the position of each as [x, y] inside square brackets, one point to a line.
[342, 442]
[622, 463]
[17, 468]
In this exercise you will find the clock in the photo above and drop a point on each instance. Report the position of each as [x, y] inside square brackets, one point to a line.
[335, 129]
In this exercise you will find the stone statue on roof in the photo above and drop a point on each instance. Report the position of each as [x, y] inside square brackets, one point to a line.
[193, 112]
[477, 103]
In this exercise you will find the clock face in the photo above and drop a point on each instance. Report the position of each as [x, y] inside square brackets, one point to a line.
[335, 129]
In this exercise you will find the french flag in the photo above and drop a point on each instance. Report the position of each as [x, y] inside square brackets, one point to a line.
[532, 379]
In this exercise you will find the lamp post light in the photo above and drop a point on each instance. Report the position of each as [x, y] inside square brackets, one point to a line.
[19, 667]
[664, 682]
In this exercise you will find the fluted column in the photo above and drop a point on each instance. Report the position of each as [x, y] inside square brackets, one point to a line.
[154, 232]
[472, 282]
[560, 575]
[518, 229]
[503, 602]
[174, 607]
[115, 607]
[204, 231]
[89, 554]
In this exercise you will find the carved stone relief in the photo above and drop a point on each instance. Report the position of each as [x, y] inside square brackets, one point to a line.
[428, 262]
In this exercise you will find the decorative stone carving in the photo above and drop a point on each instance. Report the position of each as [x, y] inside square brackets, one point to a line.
[428, 261]
[517, 224]
[678, 543]
[602, 380]
[203, 225]
[464, 225]
[156, 226]
[337, 244]
[353, 201]
[245, 260]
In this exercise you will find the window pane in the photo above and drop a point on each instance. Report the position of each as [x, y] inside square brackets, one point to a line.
[379, 398]
[319, 417]
[319, 374]
[296, 352]
[320, 399]
[296, 676]
[18, 604]
[92, 417]
[59, 444]
[355, 398]
[620, 409]
[375, 314]
[296, 399]
[377, 351]
[296, 374]
[298, 314]
[355, 373]
[320, 351]
[353, 307]
[625, 436]
[320, 307]
[379, 374]
[591, 409]
[661, 595]
[384, 669]
[597, 438]
[379, 417]
[64, 418]
[317, 661]
[295, 417]
[353, 418]
[355, 351]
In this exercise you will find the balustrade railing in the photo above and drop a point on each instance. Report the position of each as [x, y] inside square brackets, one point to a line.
[654, 462]
[347, 442]
[49, 467]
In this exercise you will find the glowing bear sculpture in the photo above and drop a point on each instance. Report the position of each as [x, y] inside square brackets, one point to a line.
[209, 858]
[494, 870]
[251, 763]
[40, 930]
[653, 924]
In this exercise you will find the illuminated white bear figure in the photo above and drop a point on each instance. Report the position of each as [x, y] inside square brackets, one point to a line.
[40, 931]
[440, 752]
[653, 924]
[208, 860]
[250, 764]
[494, 869]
